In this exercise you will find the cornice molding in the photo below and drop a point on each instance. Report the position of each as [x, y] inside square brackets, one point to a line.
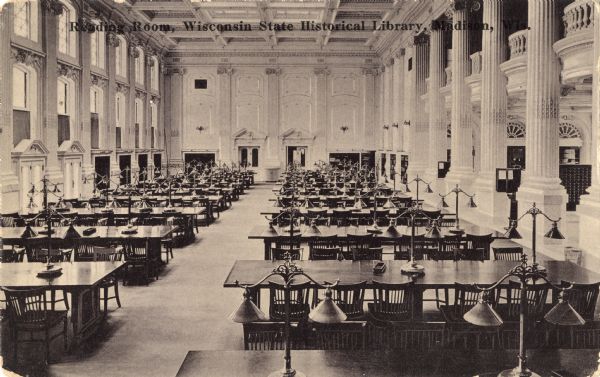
[223, 54]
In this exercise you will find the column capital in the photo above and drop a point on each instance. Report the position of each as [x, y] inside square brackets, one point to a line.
[224, 70]
[175, 71]
[149, 60]
[26, 57]
[273, 71]
[98, 81]
[322, 71]
[54, 7]
[133, 51]
[421, 39]
[464, 5]
[388, 62]
[370, 71]
[67, 71]
[122, 88]
[140, 94]
[399, 53]
[112, 40]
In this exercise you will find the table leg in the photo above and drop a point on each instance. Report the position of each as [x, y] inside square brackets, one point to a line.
[267, 249]
[85, 313]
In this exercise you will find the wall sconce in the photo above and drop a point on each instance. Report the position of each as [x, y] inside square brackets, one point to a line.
[344, 128]
[407, 122]
[386, 127]
[395, 125]
[200, 128]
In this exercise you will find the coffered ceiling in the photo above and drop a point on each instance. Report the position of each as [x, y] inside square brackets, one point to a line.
[175, 13]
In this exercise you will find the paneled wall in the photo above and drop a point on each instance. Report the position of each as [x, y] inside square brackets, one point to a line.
[325, 109]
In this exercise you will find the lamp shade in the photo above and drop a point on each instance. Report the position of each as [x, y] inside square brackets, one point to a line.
[554, 233]
[482, 314]
[28, 232]
[389, 204]
[71, 233]
[434, 232]
[327, 311]
[443, 203]
[428, 189]
[407, 189]
[512, 232]
[247, 312]
[471, 203]
[312, 230]
[391, 232]
[563, 314]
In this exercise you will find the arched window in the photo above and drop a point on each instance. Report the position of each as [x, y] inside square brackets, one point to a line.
[65, 105]
[568, 131]
[154, 73]
[67, 40]
[25, 19]
[96, 116]
[97, 47]
[119, 118]
[24, 100]
[139, 66]
[121, 57]
[515, 130]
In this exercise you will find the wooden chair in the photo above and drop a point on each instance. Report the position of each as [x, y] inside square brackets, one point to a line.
[508, 254]
[341, 217]
[299, 302]
[361, 247]
[28, 313]
[84, 252]
[348, 335]
[278, 253]
[402, 248]
[264, 336]
[323, 248]
[138, 258]
[108, 254]
[392, 302]
[39, 255]
[350, 298]
[12, 254]
[422, 337]
[477, 242]
[381, 216]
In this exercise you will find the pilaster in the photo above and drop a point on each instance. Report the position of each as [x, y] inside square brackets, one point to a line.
[437, 125]
[369, 75]
[85, 137]
[110, 100]
[175, 130]
[320, 146]
[398, 102]
[419, 128]
[273, 151]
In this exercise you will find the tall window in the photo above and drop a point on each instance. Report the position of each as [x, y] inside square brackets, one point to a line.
[25, 18]
[139, 119]
[121, 57]
[67, 42]
[154, 74]
[95, 111]
[120, 118]
[139, 66]
[249, 156]
[63, 97]
[97, 47]
[21, 105]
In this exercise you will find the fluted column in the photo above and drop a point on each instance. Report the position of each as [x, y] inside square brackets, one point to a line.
[461, 164]
[437, 125]
[224, 105]
[419, 128]
[388, 83]
[540, 181]
[369, 85]
[589, 209]
[84, 114]
[50, 15]
[493, 110]
[398, 102]
[112, 42]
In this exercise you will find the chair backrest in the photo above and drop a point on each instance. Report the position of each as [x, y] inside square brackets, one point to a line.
[84, 252]
[537, 295]
[480, 242]
[393, 300]
[582, 298]
[299, 301]
[264, 336]
[136, 249]
[466, 296]
[327, 253]
[26, 306]
[347, 335]
[106, 254]
[508, 254]
[361, 242]
[278, 253]
[350, 298]
[418, 336]
[287, 243]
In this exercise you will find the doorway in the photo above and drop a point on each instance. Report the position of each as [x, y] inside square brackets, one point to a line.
[102, 170]
[200, 158]
[157, 163]
[296, 155]
[125, 163]
[143, 164]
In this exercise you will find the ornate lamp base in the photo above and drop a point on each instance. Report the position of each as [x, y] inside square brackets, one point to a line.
[412, 268]
[287, 373]
[516, 372]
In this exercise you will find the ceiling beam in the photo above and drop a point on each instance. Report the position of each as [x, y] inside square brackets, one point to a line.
[158, 5]
[266, 16]
[387, 17]
[329, 15]
[204, 17]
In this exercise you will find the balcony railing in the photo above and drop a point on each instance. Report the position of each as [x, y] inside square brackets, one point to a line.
[476, 63]
[579, 15]
[518, 43]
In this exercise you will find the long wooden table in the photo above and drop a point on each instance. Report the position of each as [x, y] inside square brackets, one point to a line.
[438, 274]
[446, 363]
[260, 232]
[364, 212]
[80, 279]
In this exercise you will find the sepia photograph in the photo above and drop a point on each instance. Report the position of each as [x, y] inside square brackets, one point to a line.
[300, 188]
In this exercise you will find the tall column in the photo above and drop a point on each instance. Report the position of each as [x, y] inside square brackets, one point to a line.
[398, 102]
[419, 128]
[112, 42]
[175, 117]
[409, 99]
[9, 182]
[437, 126]
[387, 103]
[589, 209]
[461, 164]
[273, 156]
[50, 14]
[84, 111]
[493, 111]
[321, 129]
[540, 182]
